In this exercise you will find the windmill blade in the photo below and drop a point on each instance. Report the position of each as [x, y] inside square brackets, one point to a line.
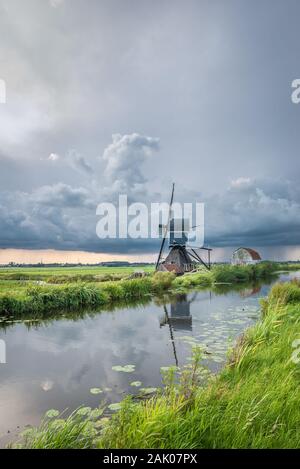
[166, 229]
[195, 255]
[171, 334]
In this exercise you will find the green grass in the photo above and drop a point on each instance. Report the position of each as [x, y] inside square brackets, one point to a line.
[25, 298]
[226, 274]
[69, 274]
[252, 403]
[43, 300]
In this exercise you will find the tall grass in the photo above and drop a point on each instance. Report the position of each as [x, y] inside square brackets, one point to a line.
[231, 274]
[246, 273]
[253, 403]
[42, 300]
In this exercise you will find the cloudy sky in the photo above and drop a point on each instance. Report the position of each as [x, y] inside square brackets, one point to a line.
[125, 96]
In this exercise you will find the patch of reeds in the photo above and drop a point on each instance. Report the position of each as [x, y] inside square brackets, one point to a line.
[45, 299]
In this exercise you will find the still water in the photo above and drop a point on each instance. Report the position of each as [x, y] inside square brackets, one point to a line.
[55, 365]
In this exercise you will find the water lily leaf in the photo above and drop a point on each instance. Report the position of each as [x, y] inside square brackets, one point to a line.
[148, 390]
[96, 413]
[84, 411]
[116, 406]
[58, 423]
[124, 369]
[136, 383]
[164, 369]
[107, 389]
[51, 413]
[96, 391]
[102, 422]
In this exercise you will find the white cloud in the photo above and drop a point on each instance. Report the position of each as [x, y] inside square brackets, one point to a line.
[53, 157]
[124, 158]
[75, 160]
[241, 181]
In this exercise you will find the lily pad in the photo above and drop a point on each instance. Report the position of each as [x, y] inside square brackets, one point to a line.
[84, 411]
[102, 422]
[165, 369]
[51, 413]
[58, 423]
[136, 384]
[116, 406]
[96, 413]
[124, 369]
[148, 390]
[96, 391]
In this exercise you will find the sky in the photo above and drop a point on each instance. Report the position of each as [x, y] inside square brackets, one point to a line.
[105, 97]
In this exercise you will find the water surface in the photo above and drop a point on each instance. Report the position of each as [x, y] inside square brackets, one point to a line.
[55, 364]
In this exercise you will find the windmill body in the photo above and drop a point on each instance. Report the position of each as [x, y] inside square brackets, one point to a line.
[181, 258]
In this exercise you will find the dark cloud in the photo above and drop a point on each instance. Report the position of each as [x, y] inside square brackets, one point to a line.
[256, 212]
[211, 80]
[61, 216]
[249, 212]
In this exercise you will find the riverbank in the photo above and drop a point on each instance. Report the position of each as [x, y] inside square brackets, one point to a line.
[19, 300]
[252, 403]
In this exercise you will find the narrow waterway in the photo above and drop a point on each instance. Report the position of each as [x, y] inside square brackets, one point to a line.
[55, 365]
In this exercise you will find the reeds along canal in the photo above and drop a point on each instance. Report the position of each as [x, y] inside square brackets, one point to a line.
[62, 364]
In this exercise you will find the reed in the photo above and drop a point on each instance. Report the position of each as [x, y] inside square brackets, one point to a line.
[44, 300]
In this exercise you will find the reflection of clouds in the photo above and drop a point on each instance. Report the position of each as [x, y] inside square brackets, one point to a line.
[77, 374]
[47, 385]
[81, 353]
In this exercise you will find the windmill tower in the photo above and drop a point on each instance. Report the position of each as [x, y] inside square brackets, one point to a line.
[181, 258]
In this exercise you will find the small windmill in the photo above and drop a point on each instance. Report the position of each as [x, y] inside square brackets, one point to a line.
[181, 257]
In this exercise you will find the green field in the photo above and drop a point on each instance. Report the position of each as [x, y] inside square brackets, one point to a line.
[46, 272]
[24, 294]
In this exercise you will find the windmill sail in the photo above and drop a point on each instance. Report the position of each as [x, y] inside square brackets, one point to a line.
[184, 242]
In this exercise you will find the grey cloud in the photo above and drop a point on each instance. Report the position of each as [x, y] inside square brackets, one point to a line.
[61, 216]
[258, 212]
[74, 159]
[78, 162]
[211, 80]
[64, 217]
[124, 158]
[60, 195]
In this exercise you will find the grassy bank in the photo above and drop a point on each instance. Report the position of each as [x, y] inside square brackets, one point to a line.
[42, 301]
[22, 299]
[253, 403]
[227, 274]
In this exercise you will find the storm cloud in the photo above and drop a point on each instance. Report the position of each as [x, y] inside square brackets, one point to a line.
[254, 212]
[127, 96]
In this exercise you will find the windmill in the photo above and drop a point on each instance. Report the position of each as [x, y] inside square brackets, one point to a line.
[181, 258]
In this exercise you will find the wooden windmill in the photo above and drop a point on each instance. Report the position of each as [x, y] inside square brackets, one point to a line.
[181, 258]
